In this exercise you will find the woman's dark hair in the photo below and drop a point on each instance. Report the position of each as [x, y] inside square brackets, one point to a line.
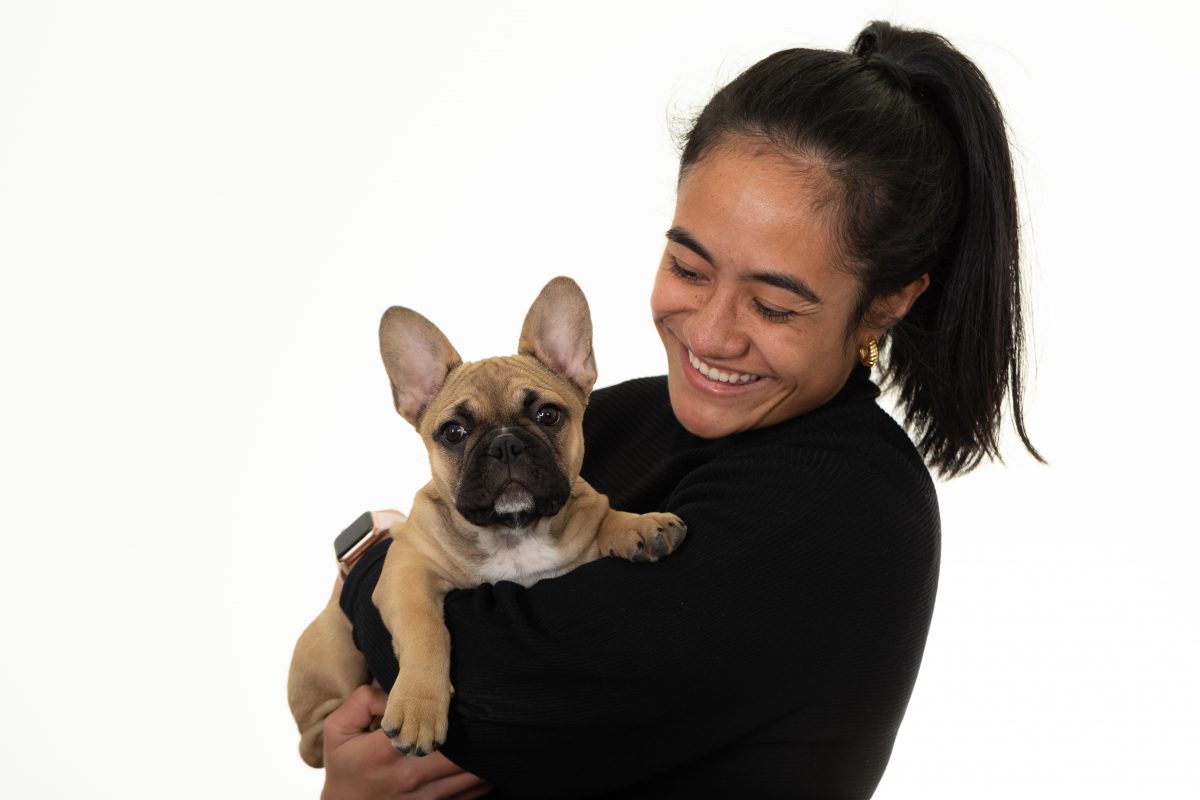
[912, 138]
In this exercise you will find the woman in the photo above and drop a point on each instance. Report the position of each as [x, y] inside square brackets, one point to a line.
[828, 204]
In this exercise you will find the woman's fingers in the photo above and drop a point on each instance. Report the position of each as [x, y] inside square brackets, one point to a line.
[453, 785]
[353, 717]
[435, 770]
[467, 788]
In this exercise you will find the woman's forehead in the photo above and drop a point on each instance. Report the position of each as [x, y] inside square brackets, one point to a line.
[745, 206]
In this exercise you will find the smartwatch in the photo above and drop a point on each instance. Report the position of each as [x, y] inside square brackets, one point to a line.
[369, 528]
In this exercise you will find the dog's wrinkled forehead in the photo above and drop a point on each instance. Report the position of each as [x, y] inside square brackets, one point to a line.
[497, 390]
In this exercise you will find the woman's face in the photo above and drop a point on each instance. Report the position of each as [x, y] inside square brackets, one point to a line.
[753, 312]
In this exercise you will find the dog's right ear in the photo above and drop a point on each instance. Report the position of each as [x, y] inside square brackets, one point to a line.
[417, 357]
[558, 333]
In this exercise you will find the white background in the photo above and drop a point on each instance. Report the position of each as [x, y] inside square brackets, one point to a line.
[205, 207]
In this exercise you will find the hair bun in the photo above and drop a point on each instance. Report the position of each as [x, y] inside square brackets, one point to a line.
[893, 69]
[876, 46]
[868, 41]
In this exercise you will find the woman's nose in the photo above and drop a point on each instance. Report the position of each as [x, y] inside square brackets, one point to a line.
[714, 330]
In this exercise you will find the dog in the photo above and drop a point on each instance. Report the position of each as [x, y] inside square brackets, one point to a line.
[505, 442]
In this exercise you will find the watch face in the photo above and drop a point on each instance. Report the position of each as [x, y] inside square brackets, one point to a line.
[354, 534]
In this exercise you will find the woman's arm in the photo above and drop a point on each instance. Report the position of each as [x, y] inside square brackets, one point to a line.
[790, 595]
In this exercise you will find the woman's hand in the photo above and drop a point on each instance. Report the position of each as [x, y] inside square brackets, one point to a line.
[362, 765]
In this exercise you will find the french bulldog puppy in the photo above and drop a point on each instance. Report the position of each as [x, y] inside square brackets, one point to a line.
[505, 441]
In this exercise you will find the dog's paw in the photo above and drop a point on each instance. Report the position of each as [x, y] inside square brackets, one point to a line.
[416, 717]
[646, 537]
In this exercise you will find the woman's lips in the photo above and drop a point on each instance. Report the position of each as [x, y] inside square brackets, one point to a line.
[694, 369]
[715, 374]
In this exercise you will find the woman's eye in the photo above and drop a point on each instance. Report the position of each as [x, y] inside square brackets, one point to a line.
[773, 314]
[453, 433]
[548, 415]
[680, 271]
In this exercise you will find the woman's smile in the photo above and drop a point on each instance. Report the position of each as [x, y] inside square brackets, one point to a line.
[713, 373]
[715, 380]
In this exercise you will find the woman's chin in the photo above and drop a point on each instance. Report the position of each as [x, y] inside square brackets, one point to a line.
[702, 416]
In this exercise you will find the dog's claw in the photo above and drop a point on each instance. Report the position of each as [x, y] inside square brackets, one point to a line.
[419, 752]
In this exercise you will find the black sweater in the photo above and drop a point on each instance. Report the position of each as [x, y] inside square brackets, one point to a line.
[772, 656]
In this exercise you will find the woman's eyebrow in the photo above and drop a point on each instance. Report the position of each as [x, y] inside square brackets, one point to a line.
[779, 280]
[788, 282]
[681, 236]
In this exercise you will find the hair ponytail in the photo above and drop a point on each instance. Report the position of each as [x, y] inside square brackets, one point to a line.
[913, 138]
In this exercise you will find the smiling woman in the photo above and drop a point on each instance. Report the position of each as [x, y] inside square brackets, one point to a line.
[836, 211]
[758, 325]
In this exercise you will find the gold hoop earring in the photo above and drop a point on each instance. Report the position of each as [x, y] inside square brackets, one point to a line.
[868, 354]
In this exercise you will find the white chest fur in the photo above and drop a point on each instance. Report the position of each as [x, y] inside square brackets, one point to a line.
[523, 558]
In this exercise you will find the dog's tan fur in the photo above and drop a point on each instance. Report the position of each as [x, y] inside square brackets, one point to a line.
[436, 549]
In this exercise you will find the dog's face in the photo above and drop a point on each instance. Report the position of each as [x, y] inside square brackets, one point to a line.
[505, 439]
[505, 435]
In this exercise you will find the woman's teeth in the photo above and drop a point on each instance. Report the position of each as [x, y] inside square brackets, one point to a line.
[714, 374]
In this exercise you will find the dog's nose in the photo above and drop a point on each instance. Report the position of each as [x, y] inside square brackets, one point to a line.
[505, 448]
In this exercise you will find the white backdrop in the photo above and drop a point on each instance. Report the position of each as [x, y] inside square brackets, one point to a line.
[204, 207]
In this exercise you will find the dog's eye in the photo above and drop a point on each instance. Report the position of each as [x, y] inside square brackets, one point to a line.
[548, 415]
[453, 433]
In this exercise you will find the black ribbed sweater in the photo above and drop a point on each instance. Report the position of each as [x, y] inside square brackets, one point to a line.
[772, 656]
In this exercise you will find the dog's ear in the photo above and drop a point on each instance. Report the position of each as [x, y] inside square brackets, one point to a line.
[417, 357]
[558, 333]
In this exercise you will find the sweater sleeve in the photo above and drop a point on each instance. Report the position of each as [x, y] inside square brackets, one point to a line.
[791, 597]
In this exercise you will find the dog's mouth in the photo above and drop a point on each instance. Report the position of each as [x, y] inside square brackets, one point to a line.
[514, 499]
[514, 506]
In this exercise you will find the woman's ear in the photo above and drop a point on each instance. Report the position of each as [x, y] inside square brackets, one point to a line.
[890, 309]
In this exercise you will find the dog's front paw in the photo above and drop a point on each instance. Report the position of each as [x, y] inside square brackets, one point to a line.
[416, 716]
[645, 537]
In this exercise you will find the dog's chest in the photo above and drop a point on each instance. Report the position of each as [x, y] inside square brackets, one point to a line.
[523, 559]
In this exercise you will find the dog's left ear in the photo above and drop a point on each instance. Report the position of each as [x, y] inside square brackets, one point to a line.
[558, 333]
